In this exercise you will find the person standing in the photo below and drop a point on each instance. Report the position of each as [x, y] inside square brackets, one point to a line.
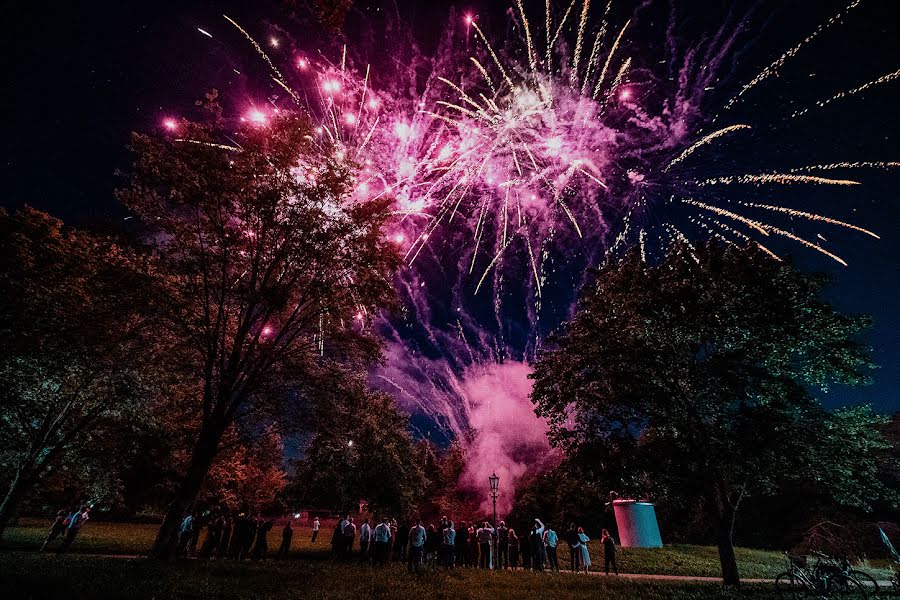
[485, 536]
[261, 549]
[473, 546]
[417, 538]
[525, 550]
[213, 537]
[609, 552]
[462, 545]
[225, 539]
[365, 540]
[349, 537]
[502, 535]
[551, 540]
[76, 521]
[574, 548]
[400, 539]
[56, 528]
[185, 533]
[239, 539]
[287, 534]
[432, 546]
[315, 532]
[513, 549]
[252, 528]
[448, 547]
[382, 539]
[537, 546]
[585, 554]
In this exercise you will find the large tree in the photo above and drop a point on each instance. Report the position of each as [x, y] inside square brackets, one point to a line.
[271, 264]
[696, 374]
[361, 450]
[78, 345]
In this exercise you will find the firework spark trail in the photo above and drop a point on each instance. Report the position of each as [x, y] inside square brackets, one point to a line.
[529, 46]
[277, 74]
[210, 144]
[781, 60]
[846, 94]
[743, 236]
[811, 217]
[760, 227]
[776, 178]
[703, 141]
[609, 57]
[847, 165]
[552, 43]
[576, 57]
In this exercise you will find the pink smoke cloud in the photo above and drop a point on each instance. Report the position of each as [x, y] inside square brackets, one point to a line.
[509, 438]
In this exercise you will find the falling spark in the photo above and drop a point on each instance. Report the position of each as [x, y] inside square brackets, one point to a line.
[778, 178]
[703, 141]
[812, 217]
[846, 94]
[781, 60]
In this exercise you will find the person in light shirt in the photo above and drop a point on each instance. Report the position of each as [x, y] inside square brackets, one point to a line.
[315, 533]
[551, 540]
[365, 540]
[382, 538]
[416, 547]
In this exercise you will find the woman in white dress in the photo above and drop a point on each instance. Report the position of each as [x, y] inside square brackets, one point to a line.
[585, 555]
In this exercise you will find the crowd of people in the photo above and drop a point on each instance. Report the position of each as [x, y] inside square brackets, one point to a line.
[447, 544]
[466, 545]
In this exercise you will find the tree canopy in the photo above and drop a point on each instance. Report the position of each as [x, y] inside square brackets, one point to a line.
[77, 320]
[694, 377]
[271, 266]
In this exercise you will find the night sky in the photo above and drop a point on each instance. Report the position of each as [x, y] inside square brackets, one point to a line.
[79, 76]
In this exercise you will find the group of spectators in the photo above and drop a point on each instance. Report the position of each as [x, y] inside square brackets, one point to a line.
[68, 525]
[445, 544]
[244, 536]
[468, 545]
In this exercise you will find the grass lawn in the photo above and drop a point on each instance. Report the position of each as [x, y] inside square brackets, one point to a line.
[45, 576]
[310, 573]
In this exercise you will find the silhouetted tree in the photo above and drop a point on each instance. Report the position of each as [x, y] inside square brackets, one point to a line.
[270, 263]
[78, 344]
[697, 374]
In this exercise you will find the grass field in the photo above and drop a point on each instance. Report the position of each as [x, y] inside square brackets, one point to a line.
[44, 576]
[89, 573]
[135, 539]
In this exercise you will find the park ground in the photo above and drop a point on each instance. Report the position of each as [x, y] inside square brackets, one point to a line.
[107, 563]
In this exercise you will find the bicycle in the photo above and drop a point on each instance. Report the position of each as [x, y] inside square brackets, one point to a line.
[825, 579]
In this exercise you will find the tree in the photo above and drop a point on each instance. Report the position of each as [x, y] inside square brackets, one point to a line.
[360, 450]
[696, 373]
[270, 265]
[78, 345]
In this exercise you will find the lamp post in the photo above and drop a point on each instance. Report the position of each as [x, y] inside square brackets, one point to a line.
[495, 485]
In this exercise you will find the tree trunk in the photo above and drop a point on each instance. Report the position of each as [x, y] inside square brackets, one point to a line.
[723, 514]
[727, 558]
[14, 494]
[204, 452]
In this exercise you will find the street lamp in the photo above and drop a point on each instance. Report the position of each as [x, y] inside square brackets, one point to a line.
[495, 485]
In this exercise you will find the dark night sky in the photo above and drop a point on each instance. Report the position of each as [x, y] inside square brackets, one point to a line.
[79, 76]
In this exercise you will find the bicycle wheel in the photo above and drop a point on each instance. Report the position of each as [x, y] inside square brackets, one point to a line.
[788, 586]
[846, 587]
[868, 582]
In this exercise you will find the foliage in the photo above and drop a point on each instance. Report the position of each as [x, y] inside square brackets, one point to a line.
[269, 266]
[360, 450]
[79, 347]
[693, 377]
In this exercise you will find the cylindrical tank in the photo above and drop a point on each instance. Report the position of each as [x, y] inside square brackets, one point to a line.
[637, 524]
